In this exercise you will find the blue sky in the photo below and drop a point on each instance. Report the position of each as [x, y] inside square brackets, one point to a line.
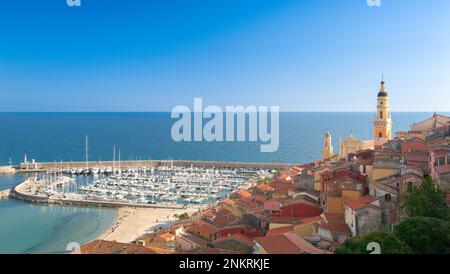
[311, 55]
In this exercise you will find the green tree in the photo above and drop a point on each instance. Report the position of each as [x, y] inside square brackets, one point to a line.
[181, 216]
[425, 235]
[426, 201]
[389, 244]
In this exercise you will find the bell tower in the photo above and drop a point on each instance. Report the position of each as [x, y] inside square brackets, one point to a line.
[327, 150]
[382, 123]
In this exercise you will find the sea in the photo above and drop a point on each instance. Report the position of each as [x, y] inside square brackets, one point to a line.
[54, 137]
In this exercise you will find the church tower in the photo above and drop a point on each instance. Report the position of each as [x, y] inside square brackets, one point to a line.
[382, 123]
[327, 150]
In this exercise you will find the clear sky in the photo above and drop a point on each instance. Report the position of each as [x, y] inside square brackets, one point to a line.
[150, 55]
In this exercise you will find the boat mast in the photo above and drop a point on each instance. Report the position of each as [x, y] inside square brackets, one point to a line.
[114, 156]
[120, 170]
[87, 150]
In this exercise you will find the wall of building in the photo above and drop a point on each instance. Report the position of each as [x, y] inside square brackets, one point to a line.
[367, 220]
[305, 230]
[334, 205]
[379, 173]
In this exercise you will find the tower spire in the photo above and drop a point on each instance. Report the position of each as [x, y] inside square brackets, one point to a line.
[382, 87]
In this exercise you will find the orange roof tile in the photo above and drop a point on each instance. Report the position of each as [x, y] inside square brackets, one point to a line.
[280, 230]
[265, 187]
[287, 243]
[209, 250]
[335, 227]
[359, 203]
[334, 217]
[167, 236]
[244, 193]
[236, 236]
[111, 247]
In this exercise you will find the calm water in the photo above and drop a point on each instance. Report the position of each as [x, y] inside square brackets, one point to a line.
[61, 136]
[26, 228]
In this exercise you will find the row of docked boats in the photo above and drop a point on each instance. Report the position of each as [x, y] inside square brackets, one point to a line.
[156, 185]
[167, 185]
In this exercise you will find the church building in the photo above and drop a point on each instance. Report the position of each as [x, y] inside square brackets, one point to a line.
[382, 123]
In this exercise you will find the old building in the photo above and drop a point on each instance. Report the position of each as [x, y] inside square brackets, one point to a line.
[327, 150]
[363, 215]
[236, 242]
[286, 243]
[382, 123]
[349, 145]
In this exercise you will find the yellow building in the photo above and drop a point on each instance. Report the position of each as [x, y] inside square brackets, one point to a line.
[349, 145]
[382, 123]
[327, 150]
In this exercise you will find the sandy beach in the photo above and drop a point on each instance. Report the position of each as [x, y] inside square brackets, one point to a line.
[134, 222]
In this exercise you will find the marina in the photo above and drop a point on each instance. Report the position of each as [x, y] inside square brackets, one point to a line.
[162, 186]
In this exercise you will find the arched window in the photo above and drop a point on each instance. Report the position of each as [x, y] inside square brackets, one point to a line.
[387, 197]
[381, 115]
[380, 135]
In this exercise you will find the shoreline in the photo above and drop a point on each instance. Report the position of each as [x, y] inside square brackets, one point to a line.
[131, 222]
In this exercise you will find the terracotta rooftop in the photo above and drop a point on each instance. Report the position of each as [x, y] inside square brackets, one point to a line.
[265, 187]
[110, 247]
[359, 203]
[259, 198]
[203, 228]
[285, 219]
[244, 193]
[310, 220]
[334, 217]
[335, 227]
[280, 230]
[287, 243]
[166, 236]
[209, 250]
[236, 236]
[193, 239]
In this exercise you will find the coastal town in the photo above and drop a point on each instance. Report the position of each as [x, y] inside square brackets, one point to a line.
[310, 208]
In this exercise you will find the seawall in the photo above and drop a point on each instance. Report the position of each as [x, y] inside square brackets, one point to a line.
[38, 166]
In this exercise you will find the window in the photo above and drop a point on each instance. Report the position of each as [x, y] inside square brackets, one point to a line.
[440, 161]
[381, 115]
[387, 197]
[380, 135]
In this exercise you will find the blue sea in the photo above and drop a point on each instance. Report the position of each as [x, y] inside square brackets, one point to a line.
[26, 228]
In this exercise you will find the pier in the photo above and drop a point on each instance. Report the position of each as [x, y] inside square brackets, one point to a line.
[61, 166]
[7, 170]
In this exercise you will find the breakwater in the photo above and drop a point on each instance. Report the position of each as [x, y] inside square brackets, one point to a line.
[4, 194]
[43, 166]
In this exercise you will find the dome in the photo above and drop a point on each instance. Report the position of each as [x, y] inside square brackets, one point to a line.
[382, 92]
